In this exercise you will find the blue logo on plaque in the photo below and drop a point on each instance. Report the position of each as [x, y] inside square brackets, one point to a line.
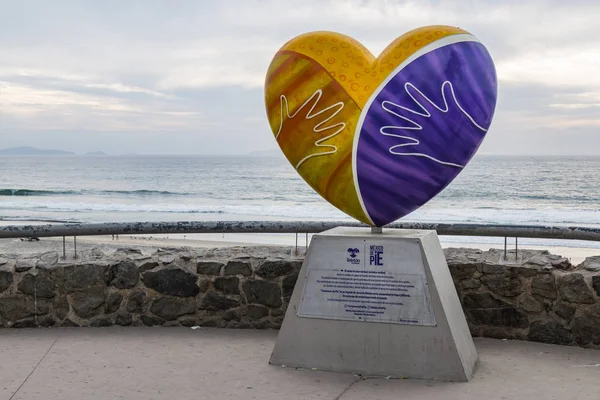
[353, 253]
[376, 256]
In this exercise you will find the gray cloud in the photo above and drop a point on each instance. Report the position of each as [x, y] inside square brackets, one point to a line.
[187, 76]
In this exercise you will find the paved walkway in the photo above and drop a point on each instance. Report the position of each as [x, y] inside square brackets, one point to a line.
[181, 363]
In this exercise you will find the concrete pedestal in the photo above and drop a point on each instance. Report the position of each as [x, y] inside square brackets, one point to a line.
[377, 305]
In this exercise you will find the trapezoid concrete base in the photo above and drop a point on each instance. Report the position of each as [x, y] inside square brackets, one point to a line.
[376, 305]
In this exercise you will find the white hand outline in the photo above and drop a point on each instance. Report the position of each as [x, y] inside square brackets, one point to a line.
[413, 125]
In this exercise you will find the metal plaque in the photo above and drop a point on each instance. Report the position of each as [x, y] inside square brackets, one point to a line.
[367, 280]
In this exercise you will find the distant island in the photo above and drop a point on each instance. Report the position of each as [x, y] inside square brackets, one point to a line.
[34, 151]
[30, 151]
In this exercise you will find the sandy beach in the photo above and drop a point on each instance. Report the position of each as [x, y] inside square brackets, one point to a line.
[149, 243]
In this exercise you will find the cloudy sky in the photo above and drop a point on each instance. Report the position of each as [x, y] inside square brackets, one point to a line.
[186, 77]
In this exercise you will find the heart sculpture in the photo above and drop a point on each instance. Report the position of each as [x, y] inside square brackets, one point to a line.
[380, 137]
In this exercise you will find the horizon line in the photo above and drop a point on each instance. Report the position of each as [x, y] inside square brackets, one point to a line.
[257, 153]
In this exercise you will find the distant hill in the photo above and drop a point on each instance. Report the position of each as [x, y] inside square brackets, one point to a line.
[27, 151]
[96, 153]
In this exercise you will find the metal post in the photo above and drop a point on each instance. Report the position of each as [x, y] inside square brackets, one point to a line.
[64, 248]
[75, 246]
[296, 250]
[306, 242]
[516, 248]
[505, 239]
[376, 229]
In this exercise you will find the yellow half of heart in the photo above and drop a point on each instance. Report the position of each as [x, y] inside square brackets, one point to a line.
[315, 89]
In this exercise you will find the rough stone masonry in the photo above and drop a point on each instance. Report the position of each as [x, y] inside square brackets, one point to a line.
[542, 297]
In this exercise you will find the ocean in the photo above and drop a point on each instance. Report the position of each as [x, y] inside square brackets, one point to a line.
[491, 189]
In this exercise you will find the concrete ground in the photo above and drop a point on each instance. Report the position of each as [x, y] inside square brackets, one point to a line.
[182, 363]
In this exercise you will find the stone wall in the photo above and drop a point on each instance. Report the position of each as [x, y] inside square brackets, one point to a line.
[541, 298]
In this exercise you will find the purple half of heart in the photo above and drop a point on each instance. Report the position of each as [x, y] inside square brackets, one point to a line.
[422, 129]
